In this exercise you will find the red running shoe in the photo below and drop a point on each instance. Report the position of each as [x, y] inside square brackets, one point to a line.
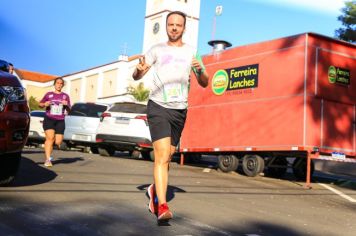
[164, 214]
[153, 204]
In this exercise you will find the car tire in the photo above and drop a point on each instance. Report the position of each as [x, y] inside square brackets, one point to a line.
[64, 146]
[9, 164]
[94, 150]
[148, 155]
[135, 154]
[106, 152]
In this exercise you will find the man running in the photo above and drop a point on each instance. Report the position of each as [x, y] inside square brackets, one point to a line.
[172, 63]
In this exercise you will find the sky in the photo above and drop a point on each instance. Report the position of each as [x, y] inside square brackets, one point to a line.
[60, 37]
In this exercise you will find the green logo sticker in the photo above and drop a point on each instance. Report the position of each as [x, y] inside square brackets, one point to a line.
[332, 74]
[220, 82]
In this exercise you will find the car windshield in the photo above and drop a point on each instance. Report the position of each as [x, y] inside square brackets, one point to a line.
[87, 109]
[129, 108]
[37, 113]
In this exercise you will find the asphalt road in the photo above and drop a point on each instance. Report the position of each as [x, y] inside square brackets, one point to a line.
[86, 194]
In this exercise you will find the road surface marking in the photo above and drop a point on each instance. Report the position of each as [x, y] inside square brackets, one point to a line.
[338, 192]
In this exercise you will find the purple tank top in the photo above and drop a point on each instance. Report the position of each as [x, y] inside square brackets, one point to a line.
[56, 110]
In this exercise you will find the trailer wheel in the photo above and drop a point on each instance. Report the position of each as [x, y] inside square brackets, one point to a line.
[278, 168]
[228, 163]
[252, 165]
[300, 168]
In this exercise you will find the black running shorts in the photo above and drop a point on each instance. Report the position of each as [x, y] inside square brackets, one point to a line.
[57, 125]
[165, 122]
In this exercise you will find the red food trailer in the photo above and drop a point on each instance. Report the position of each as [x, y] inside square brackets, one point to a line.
[289, 97]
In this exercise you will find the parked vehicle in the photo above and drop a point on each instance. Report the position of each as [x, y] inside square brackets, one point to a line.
[14, 123]
[36, 134]
[124, 127]
[266, 102]
[81, 125]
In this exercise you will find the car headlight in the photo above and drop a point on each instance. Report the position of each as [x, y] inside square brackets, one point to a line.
[14, 94]
[11, 94]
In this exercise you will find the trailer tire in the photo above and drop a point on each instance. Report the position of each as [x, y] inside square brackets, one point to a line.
[252, 165]
[300, 168]
[280, 169]
[228, 163]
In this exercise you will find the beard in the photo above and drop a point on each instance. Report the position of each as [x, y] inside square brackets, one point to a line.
[175, 37]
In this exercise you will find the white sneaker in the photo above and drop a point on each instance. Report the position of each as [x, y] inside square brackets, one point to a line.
[51, 158]
[48, 163]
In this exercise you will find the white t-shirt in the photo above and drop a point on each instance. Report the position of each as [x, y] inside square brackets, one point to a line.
[171, 74]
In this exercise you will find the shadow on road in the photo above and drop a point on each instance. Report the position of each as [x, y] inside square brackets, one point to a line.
[23, 217]
[31, 173]
[67, 160]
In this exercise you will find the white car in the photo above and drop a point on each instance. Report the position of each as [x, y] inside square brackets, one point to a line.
[81, 125]
[36, 134]
[124, 127]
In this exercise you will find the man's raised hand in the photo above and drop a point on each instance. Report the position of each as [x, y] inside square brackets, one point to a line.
[141, 68]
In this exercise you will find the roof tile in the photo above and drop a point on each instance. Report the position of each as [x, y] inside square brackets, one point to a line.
[34, 76]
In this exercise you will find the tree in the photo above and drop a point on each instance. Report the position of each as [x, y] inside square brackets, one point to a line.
[140, 93]
[34, 104]
[348, 19]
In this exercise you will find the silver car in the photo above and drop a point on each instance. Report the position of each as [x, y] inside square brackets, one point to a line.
[81, 125]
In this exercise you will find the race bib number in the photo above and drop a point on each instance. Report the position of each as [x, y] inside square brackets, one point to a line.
[173, 92]
[56, 109]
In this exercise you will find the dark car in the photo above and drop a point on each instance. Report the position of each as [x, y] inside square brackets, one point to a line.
[14, 123]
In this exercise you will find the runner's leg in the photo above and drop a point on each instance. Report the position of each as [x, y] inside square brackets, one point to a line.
[162, 152]
[48, 146]
[58, 140]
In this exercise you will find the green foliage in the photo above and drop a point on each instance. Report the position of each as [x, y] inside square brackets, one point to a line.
[140, 93]
[348, 20]
[34, 104]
